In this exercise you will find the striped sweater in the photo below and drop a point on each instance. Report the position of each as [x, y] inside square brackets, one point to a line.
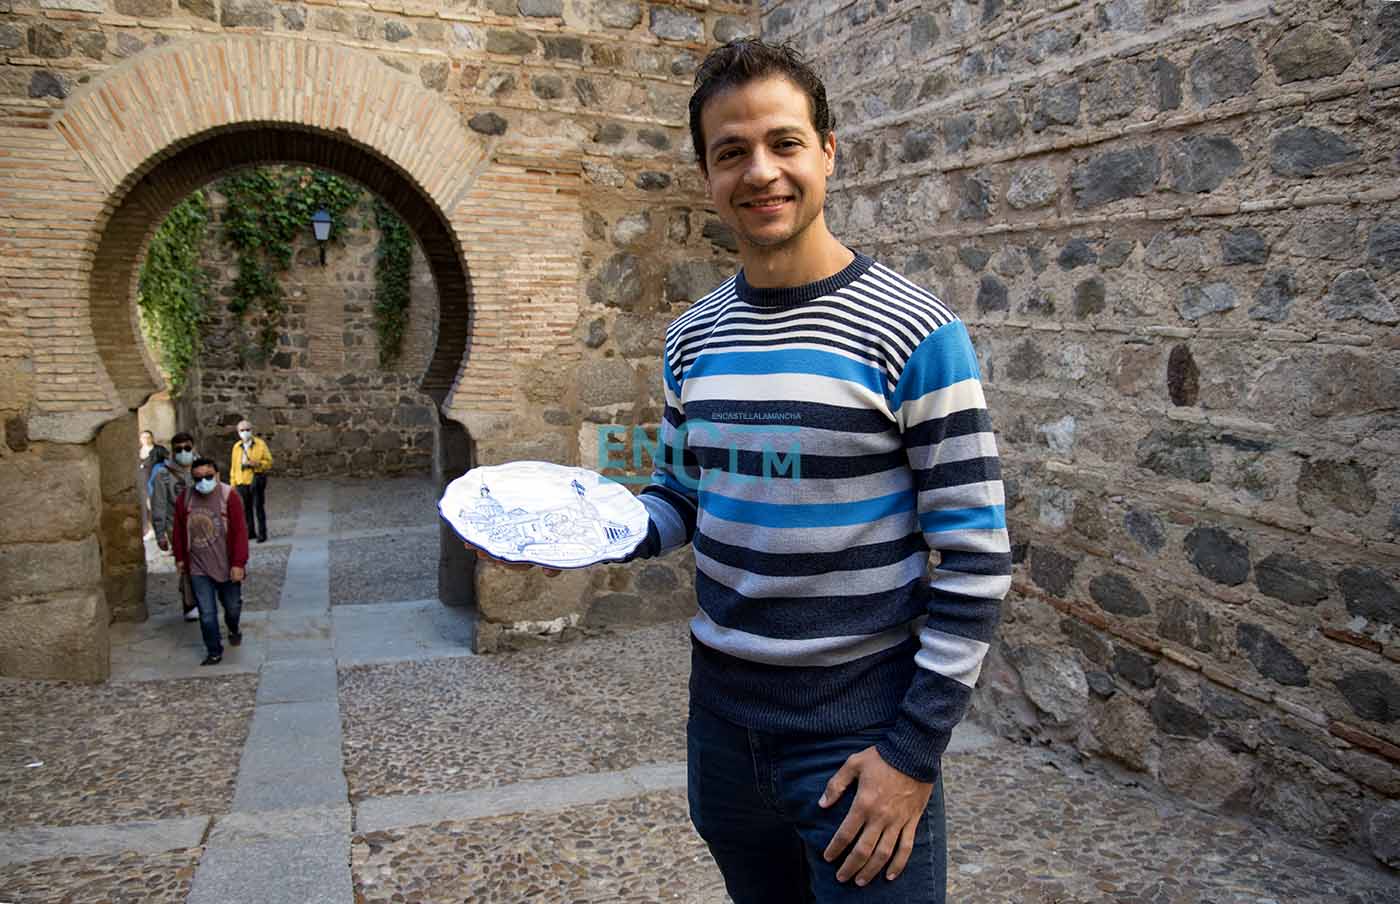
[818, 441]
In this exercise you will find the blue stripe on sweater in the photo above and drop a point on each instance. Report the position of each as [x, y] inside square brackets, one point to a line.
[763, 514]
[944, 358]
[788, 361]
[987, 517]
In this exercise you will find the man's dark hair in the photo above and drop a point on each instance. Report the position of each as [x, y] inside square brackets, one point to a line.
[749, 59]
[202, 461]
[181, 437]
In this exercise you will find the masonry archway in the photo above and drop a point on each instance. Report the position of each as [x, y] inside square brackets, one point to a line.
[149, 133]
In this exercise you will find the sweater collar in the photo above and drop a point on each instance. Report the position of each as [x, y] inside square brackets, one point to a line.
[791, 295]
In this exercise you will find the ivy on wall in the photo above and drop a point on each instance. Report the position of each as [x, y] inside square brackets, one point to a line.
[391, 278]
[267, 209]
[172, 289]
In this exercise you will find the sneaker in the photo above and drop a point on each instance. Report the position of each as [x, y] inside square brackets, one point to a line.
[192, 615]
[212, 660]
[235, 640]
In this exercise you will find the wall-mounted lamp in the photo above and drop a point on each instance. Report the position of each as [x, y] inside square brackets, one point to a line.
[321, 223]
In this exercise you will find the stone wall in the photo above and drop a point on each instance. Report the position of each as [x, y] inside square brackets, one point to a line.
[322, 400]
[1172, 227]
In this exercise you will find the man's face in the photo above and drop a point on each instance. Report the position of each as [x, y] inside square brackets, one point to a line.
[243, 425]
[766, 166]
[203, 471]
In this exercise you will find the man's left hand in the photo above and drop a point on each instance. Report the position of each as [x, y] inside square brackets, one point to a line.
[885, 816]
[235, 574]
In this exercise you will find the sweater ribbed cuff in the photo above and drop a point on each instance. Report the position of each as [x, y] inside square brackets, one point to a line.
[915, 753]
[670, 527]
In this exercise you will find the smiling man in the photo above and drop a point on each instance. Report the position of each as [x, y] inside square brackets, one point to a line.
[830, 661]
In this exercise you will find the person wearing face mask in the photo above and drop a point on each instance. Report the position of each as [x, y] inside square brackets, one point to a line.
[211, 546]
[169, 483]
[248, 467]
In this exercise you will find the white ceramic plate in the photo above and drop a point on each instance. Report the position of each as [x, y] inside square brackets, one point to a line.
[548, 514]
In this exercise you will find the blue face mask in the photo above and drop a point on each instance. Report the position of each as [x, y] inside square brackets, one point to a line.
[205, 485]
[184, 459]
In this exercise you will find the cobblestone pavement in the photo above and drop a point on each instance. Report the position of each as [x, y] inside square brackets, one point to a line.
[127, 878]
[631, 851]
[119, 752]
[383, 503]
[507, 775]
[401, 565]
[587, 707]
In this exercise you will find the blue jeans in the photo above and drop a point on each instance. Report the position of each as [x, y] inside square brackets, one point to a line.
[230, 593]
[753, 798]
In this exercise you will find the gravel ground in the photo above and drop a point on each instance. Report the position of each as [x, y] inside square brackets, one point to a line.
[267, 571]
[387, 568]
[113, 879]
[387, 502]
[636, 851]
[1025, 826]
[457, 724]
[119, 752]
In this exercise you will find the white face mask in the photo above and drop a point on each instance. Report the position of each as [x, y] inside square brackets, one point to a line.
[205, 485]
[245, 435]
[184, 459]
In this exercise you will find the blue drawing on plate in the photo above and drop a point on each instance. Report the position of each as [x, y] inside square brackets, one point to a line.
[571, 531]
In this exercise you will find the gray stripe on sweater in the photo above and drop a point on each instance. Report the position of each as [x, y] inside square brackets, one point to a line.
[816, 651]
[959, 658]
[954, 448]
[967, 495]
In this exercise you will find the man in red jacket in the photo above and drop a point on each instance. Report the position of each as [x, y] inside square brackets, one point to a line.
[211, 545]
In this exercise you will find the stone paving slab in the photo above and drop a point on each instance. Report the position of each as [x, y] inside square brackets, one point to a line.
[459, 724]
[640, 850]
[127, 878]
[285, 825]
[120, 752]
[297, 682]
[387, 813]
[305, 589]
[154, 836]
[292, 758]
[384, 632]
[384, 568]
[312, 870]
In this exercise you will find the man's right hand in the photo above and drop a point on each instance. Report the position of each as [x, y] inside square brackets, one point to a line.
[163, 543]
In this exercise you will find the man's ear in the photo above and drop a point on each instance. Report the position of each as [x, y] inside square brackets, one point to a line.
[829, 151]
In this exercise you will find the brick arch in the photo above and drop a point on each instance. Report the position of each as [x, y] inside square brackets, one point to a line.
[172, 120]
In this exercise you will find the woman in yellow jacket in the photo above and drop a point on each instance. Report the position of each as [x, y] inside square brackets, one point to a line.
[248, 469]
